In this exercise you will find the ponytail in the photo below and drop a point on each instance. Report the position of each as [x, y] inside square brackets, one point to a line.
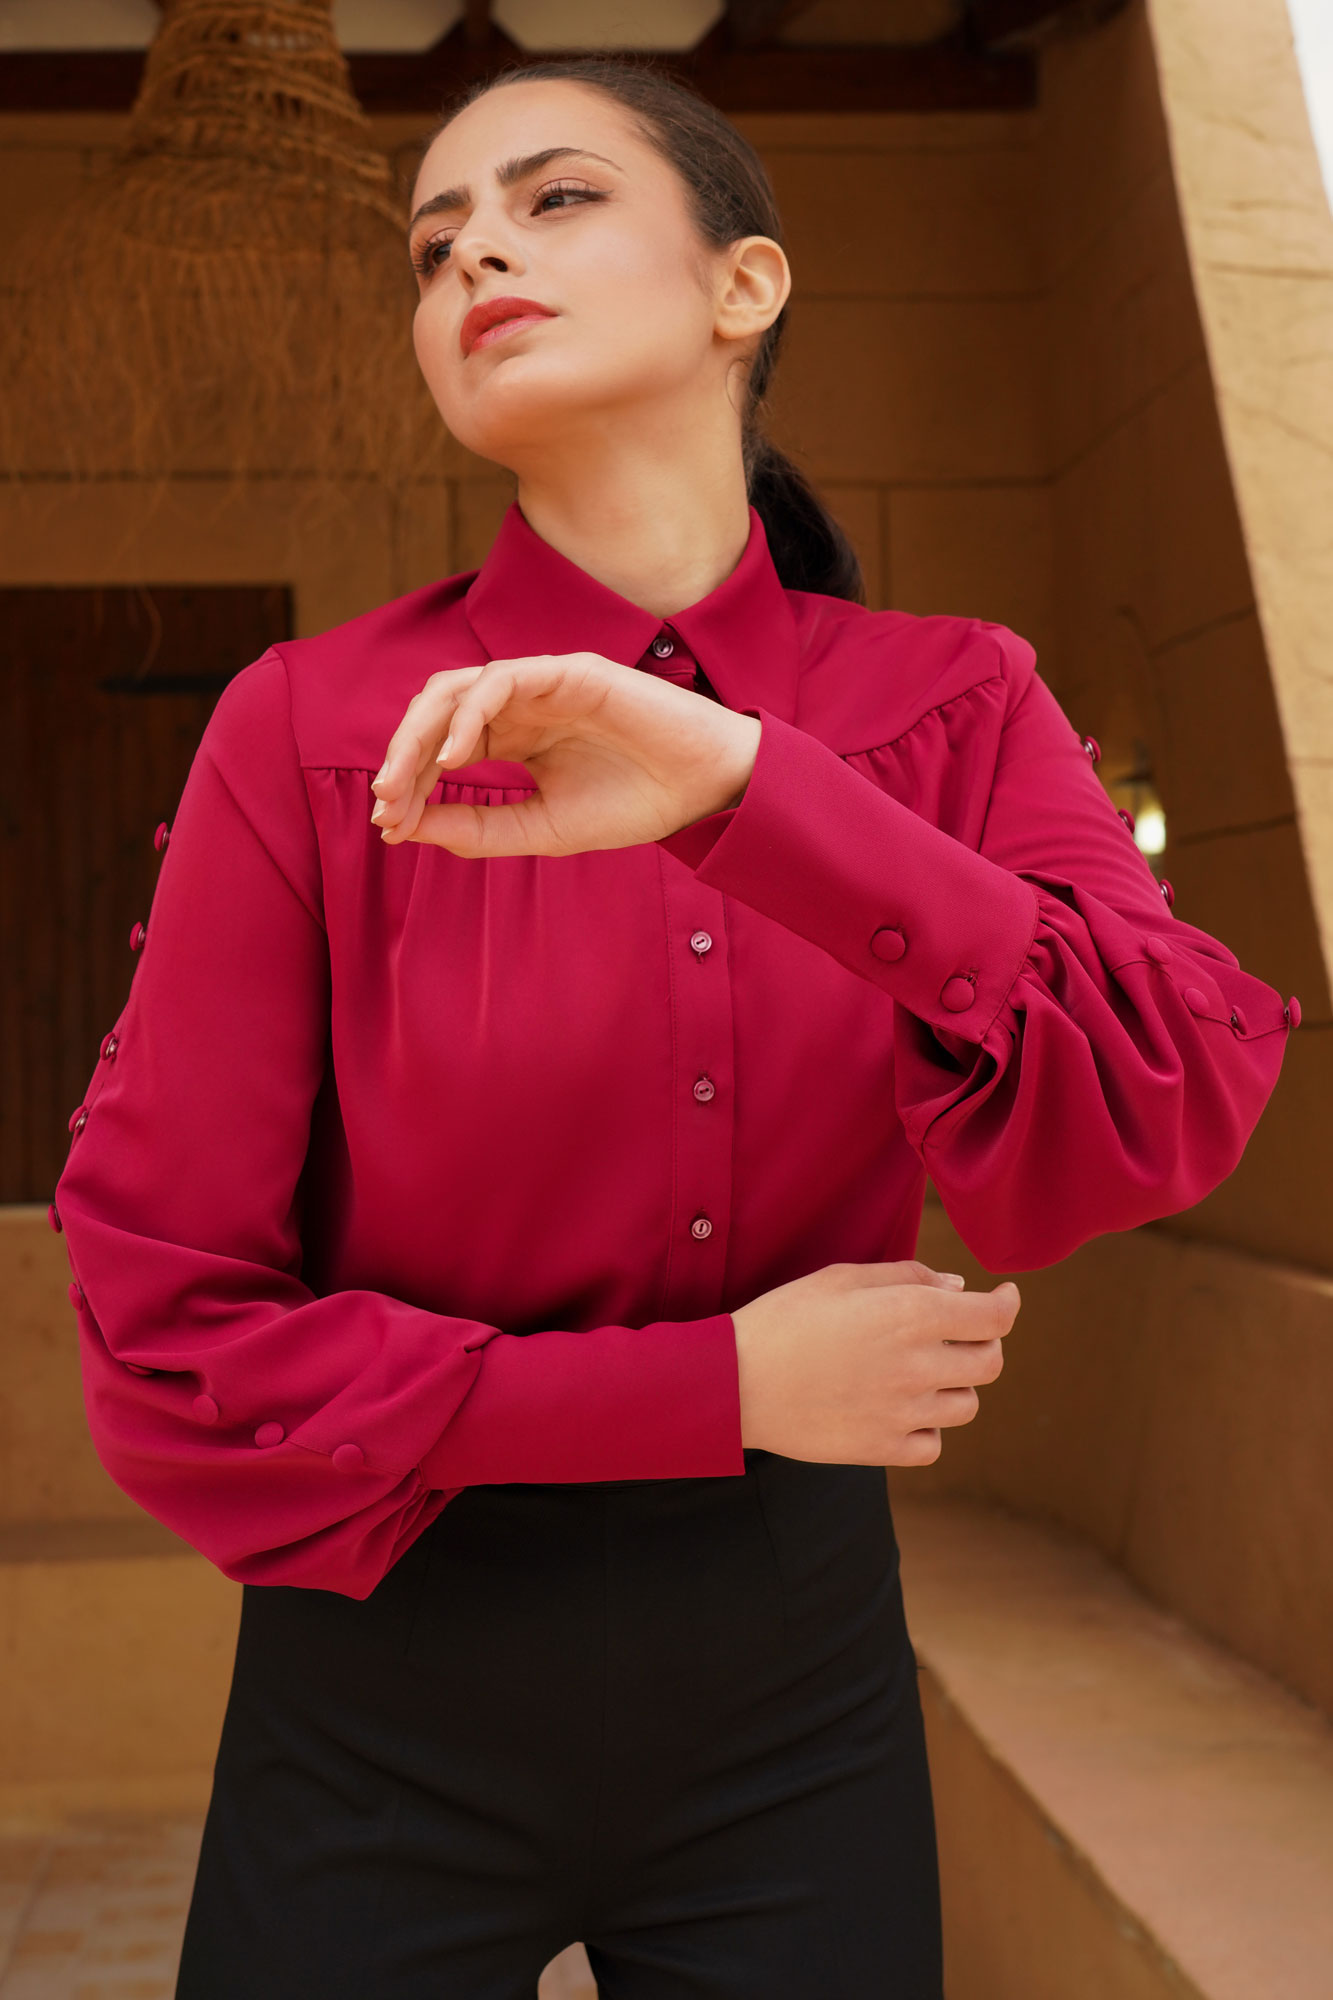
[730, 197]
[809, 549]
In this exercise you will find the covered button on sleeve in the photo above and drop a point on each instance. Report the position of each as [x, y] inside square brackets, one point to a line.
[888, 943]
[957, 993]
[348, 1458]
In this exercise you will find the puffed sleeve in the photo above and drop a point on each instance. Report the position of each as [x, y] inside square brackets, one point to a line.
[295, 1438]
[1069, 1058]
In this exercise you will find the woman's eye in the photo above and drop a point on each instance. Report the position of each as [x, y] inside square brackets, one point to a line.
[425, 260]
[563, 191]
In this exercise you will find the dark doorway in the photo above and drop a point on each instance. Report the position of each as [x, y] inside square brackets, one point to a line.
[104, 694]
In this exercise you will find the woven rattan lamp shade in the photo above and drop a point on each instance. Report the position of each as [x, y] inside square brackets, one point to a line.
[234, 295]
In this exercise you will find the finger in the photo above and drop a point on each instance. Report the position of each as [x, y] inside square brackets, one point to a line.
[478, 706]
[968, 1362]
[951, 1407]
[519, 826]
[425, 721]
[918, 1448]
[907, 1271]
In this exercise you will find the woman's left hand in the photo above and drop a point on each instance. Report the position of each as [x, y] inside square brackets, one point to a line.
[619, 756]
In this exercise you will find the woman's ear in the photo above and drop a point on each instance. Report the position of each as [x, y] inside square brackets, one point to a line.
[756, 284]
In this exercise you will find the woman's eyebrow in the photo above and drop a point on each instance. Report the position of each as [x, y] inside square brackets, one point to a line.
[507, 174]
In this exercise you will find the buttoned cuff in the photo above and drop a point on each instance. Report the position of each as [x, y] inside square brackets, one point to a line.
[660, 1401]
[823, 851]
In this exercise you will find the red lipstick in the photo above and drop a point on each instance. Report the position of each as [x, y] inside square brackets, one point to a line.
[487, 314]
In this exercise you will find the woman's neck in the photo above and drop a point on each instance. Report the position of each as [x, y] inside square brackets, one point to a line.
[661, 528]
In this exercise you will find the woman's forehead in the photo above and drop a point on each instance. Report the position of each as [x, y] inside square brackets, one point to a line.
[523, 118]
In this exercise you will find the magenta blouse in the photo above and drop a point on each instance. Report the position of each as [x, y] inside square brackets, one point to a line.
[401, 1172]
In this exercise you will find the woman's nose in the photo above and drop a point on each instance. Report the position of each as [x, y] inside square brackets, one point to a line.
[477, 253]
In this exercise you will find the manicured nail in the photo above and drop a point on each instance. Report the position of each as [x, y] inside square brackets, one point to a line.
[444, 749]
[378, 812]
[952, 1277]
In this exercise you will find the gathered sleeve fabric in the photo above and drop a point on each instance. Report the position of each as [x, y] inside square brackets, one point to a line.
[1070, 1059]
[295, 1438]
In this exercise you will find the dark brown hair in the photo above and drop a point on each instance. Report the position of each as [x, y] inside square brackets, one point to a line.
[730, 196]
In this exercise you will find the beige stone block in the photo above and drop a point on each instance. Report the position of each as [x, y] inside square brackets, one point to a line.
[885, 390]
[1261, 241]
[1122, 320]
[1275, 397]
[1240, 126]
[1189, 1797]
[423, 534]
[113, 1666]
[1198, 570]
[1220, 761]
[1276, 1203]
[480, 505]
[1146, 527]
[976, 552]
[1249, 889]
[859, 512]
[1097, 518]
[1232, 1516]
[1057, 1433]
[48, 1466]
[1024, 1917]
[333, 545]
[1103, 134]
[900, 224]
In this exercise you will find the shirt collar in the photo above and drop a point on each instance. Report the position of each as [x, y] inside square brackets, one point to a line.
[527, 598]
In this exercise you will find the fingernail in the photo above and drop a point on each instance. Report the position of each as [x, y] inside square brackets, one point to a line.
[380, 773]
[378, 811]
[444, 749]
[952, 1277]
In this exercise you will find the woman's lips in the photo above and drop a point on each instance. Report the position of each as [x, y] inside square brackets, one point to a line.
[491, 334]
[497, 317]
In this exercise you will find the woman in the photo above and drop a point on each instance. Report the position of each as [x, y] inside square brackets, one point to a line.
[492, 1219]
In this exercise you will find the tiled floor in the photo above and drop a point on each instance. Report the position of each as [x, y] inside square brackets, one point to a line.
[95, 1911]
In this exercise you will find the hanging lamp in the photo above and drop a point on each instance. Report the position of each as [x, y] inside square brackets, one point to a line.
[234, 294]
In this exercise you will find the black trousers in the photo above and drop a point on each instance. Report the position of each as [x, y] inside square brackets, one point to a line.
[677, 1719]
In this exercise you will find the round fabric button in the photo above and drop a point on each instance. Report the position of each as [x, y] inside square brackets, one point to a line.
[162, 836]
[705, 1089]
[76, 1296]
[137, 936]
[1123, 812]
[1195, 999]
[110, 1043]
[205, 1409]
[269, 1434]
[957, 993]
[1168, 893]
[888, 943]
[1291, 1013]
[701, 942]
[1157, 949]
[348, 1458]
[1238, 1021]
[664, 647]
[78, 1118]
[1093, 748]
[701, 1227]
[53, 1217]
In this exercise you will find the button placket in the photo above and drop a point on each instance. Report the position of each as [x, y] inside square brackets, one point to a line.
[702, 1100]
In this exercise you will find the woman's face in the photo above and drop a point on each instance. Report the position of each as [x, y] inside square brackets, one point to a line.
[545, 192]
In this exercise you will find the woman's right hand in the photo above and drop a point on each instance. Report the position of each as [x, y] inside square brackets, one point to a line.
[865, 1364]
